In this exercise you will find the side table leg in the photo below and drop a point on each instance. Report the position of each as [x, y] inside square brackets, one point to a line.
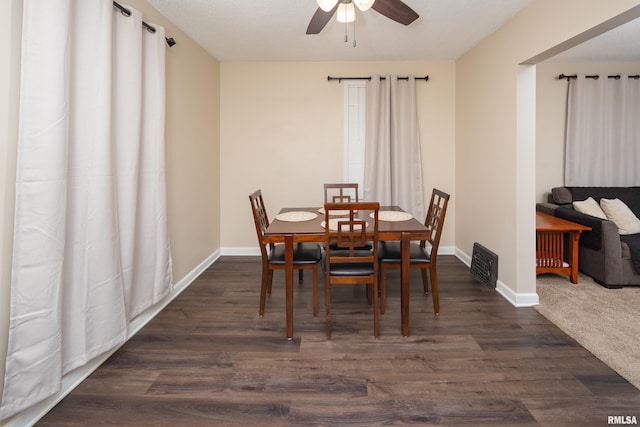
[574, 236]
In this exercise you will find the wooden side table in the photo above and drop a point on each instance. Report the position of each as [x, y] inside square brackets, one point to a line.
[550, 232]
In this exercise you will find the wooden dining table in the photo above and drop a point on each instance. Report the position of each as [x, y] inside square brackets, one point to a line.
[290, 232]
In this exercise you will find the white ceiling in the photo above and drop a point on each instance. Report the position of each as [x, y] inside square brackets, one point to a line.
[617, 45]
[274, 30]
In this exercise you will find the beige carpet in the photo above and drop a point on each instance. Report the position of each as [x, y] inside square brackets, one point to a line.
[604, 321]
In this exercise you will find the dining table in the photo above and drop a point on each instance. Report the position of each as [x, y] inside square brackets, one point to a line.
[300, 225]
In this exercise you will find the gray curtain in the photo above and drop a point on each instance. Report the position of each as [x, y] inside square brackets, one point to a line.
[393, 166]
[603, 132]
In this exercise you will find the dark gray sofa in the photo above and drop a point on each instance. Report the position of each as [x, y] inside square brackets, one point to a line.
[604, 254]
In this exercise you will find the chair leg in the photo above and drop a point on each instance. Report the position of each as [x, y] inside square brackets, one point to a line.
[327, 303]
[369, 294]
[383, 288]
[264, 287]
[425, 281]
[300, 276]
[314, 271]
[434, 289]
[376, 321]
[269, 281]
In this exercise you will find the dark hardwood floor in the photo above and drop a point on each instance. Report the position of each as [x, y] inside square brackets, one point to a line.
[209, 360]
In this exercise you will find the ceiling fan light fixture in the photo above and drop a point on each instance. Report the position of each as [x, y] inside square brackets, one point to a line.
[364, 5]
[346, 12]
[326, 5]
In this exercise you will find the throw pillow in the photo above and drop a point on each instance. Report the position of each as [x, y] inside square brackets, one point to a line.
[618, 212]
[589, 207]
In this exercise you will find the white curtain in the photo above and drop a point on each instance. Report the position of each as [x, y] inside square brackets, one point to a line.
[393, 164]
[603, 132]
[91, 247]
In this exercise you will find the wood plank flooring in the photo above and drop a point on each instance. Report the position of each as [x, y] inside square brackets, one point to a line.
[209, 360]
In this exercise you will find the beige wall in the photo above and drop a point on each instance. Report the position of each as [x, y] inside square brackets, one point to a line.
[192, 149]
[263, 118]
[550, 111]
[495, 184]
[282, 132]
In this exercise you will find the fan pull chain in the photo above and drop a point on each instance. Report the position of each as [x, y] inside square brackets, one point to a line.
[346, 28]
[354, 33]
[346, 24]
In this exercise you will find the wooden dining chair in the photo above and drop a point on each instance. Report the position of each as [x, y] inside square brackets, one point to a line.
[306, 256]
[424, 255]
[346, 193]
[343, 193]
[345, 262]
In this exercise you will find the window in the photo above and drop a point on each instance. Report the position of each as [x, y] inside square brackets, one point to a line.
[354, 131]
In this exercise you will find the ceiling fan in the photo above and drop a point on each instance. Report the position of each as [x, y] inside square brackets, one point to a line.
[396, 10]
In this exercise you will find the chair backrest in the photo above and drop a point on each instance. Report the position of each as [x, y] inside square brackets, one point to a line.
[345, 236]
[346, 193]
[260, 219]
[435, 217]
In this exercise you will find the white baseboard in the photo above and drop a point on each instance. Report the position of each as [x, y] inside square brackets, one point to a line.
[140, 321]
[446, 250]
[241, 251]
[466, 259]
[517, 299]
[30, 416]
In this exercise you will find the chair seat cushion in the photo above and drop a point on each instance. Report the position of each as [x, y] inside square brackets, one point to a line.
[356, 252]
[303, 253]
[366, 247]
[390, 252]
[353, 269]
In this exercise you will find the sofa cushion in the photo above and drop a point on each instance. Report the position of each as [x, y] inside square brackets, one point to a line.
[617, 211]
[633, 243]
[562, 196]
[629, 195]
[626, 251]
[589, 207]
[590, 239]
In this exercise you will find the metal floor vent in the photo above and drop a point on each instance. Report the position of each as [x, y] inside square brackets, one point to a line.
[484, 265]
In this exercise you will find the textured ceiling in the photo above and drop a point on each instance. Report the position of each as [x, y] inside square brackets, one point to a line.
[274, 30]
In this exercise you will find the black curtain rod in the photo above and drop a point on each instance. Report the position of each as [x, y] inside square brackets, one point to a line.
[595, 77]
[340, 79]
[126, 12]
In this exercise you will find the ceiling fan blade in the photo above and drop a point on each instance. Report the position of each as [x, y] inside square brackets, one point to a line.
[396, 10]
[320, 19]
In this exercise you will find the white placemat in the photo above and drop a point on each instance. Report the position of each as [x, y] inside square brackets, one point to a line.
[333, 224]
[336, 212]
[393, 216]
[296, 216]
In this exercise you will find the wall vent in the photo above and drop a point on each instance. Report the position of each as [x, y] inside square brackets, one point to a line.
[484, 265]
